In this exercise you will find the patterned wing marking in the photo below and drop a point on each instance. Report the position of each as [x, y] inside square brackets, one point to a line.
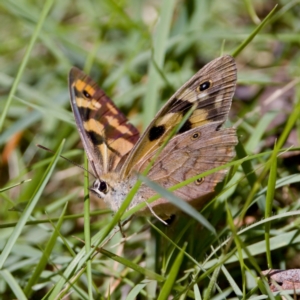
[209, 92]
[105, 132]
[188, 155]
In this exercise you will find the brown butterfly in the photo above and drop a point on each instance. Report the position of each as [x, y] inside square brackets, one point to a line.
[117, 153]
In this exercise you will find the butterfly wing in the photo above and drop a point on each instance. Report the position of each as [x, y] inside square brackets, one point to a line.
[106, 135]
[199, 145]
[187, 155]
[210, 91]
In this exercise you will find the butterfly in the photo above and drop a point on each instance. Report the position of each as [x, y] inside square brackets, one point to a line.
[117, 152]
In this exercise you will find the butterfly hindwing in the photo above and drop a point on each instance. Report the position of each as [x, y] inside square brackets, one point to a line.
[188, 155]
[209, 93]
[105, 132]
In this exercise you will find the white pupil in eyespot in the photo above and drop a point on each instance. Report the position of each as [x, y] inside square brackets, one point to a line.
[204, 86]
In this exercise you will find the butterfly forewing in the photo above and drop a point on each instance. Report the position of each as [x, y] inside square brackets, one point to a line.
[209, 93]
[105, 132]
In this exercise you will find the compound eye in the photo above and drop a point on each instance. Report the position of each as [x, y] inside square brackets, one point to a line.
[100, 186]
[103, 187]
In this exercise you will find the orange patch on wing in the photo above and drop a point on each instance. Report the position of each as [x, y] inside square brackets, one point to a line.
[94, 126]
[92, 104]
[80, 85]
[199, 117]
[169, 120]
[121, 145]
[112, 109]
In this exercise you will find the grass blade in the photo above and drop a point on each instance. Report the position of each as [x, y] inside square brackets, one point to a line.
[168, 285]
[159, 48]
[29, 208]
[47, 6]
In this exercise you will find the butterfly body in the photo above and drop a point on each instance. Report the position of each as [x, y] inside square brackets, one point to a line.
[117, 153]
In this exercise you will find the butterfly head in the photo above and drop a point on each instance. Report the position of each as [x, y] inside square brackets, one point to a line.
[100, 188]
[112, 189]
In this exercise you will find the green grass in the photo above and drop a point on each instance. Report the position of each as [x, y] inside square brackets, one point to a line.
[140, 52]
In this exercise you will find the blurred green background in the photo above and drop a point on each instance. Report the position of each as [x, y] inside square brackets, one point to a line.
[140, 53]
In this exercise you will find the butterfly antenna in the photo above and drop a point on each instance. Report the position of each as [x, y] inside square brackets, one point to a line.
[94, 168]
[68, 160]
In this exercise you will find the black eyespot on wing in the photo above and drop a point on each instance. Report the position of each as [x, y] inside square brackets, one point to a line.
[185, 127]
[86, 94]
[195, 136]
[205, 85]
[199, 181]
[156, 132]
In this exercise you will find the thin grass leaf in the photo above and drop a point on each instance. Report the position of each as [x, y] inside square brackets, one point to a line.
[135, 291]
[283, 137]
[251, 11]
[260, 130]
[29, 208]
[269, 203]
[254, 33]
[246, 165]
[159, 48]
[87, 232]
[70, 281]
[14, 286]
[283, 10]
[197, 292]
[255, 249]
[150, 274]
[285, 181]
[264, 288]
[67, 217]
[212, 284]
[277, 242]
[14, 185]
[181, 204]
[233, 284]
[22, 123]
[174, 244]
[293, 118]
[40, 267]
[168, 285]
[238, 246]
[73, 266]
[47, 6]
